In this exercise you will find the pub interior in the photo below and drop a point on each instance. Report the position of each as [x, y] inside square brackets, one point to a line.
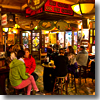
[49, 38]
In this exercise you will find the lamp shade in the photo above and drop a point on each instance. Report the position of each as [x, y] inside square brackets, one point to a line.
[83, 8]
[5, 29]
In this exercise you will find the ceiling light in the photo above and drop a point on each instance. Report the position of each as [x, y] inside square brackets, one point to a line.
[83, 7]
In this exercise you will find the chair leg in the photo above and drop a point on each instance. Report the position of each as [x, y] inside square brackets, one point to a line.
[80, 76]
[58, 87]
[26, 91]
[92, 80]
[66, 83]
[75, 84]
[68, 78]
[54, 85]
[16, 92]
[85, 75]
[72, 80]
[61, 86]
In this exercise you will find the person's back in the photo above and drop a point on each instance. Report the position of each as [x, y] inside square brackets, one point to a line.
[17, 68]
[82, 58]
[61, 63]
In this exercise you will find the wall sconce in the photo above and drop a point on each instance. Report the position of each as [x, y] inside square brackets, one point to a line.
[5, 29]
[31, 24]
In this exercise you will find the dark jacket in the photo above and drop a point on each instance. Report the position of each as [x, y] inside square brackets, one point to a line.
[61, 63]
[57, 47]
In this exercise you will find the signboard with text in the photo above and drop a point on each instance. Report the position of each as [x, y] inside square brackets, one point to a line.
[30, 12]
[56, 7]
[51, 6]
[4, 19]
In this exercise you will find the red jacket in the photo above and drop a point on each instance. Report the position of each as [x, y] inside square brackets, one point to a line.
[30, 64]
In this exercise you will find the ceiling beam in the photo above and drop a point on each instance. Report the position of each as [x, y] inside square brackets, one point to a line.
[65, 1]
[10, 7]
[14, 11]
[24, 6]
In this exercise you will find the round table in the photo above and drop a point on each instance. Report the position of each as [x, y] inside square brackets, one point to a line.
[48, 77]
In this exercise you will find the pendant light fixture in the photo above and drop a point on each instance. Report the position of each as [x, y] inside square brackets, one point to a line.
[83, 6]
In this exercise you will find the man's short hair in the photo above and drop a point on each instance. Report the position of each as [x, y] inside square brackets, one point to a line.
[82, 47]
[20, 54]
[61, 50]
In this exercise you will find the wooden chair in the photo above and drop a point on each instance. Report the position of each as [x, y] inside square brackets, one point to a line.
[83, 72]
[42, 55]
[60, 81]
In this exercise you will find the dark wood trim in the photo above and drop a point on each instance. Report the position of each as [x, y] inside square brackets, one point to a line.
[14, 11]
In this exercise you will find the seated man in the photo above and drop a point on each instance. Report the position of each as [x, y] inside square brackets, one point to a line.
[61, 63]
[57, 46]
[82, 57]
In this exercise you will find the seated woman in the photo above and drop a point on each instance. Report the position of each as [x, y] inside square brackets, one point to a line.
[73, 67]
[18, 76]
[30, 64]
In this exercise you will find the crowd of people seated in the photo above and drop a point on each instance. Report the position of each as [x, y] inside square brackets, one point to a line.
[68, 56]
[22, 64]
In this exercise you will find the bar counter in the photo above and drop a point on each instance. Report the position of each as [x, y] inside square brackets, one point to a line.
[4, 73]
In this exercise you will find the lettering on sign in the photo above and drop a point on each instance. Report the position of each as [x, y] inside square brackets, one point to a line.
[49, 6]
[31, 12]
[56, 7]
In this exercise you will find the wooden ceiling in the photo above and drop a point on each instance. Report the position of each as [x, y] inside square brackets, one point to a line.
[18, 8]
[18, 3]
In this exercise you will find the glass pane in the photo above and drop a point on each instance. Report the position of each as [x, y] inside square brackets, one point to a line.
[33, 34]
[75, 38]
[85, 34]
[61, 38]
[75, 42]
[68, 38]
[90, 40]
[46, 39]
[93, 40]
[23, 34]
[35, 42]
[37, 34]
[79, 37]
[52, 38]
[26, 34]
[93, 49]
[94, 32]
[90, 32]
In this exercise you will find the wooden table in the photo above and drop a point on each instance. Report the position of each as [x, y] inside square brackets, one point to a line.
[4, 73]
[91, 55]
[48, 77]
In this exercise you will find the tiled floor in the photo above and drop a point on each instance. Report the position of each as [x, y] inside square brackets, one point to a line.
[83, 89]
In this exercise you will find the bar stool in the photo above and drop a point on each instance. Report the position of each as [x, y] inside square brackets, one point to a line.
[83, 73]
[17, 91]
[60, 81]
[72, 81]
